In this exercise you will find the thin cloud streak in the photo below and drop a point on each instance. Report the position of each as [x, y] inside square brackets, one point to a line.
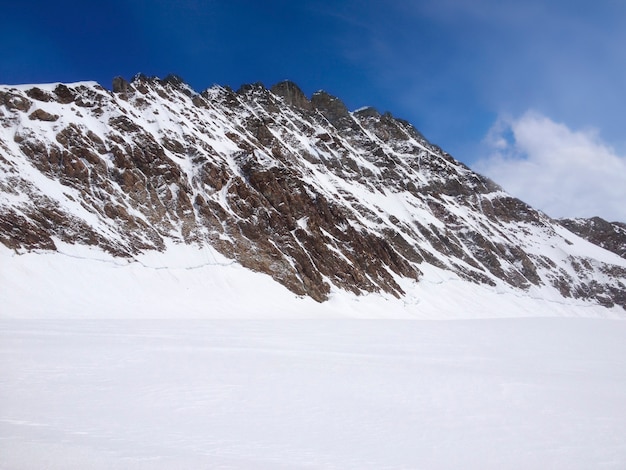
[564, 172]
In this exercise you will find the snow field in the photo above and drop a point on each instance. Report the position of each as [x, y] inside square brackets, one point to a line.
[526, 393]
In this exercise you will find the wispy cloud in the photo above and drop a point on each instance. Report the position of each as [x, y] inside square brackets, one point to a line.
[454, 64]
[564, 172]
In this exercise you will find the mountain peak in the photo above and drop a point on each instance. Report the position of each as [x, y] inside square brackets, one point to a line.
[332, 108]
[292, 94]
[256, 87]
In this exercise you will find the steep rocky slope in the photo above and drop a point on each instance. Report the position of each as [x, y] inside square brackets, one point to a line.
[609, 235]
[301, 189]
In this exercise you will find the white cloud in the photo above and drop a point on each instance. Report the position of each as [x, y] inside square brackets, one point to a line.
[563, 172]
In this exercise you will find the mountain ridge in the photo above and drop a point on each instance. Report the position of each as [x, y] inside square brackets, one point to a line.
[301, 189]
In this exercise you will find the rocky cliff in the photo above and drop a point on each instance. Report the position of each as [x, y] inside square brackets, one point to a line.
[300, 188]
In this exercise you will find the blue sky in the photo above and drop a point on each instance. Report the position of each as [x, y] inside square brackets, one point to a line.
[471, 75]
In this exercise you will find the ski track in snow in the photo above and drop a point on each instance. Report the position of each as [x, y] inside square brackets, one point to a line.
[531, 393]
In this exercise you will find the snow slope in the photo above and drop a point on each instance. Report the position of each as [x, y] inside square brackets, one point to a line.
[187, 282]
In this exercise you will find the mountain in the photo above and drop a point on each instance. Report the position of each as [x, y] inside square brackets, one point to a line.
[321, 199]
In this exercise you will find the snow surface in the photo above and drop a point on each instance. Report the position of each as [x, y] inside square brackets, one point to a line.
[185, 359]
[190, 282]
[525, 393]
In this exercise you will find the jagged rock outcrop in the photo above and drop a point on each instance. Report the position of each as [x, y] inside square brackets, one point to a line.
[301, 189]
[292, 94]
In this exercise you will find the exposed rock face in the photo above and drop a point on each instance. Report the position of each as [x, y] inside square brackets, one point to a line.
[41, 115]
[303, 190]
[291, 94]
[609, 235]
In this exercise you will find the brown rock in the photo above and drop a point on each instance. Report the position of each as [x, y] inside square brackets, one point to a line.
[41, 115]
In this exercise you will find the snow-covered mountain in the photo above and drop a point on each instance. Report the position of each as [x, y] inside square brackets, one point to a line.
[321, 199]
